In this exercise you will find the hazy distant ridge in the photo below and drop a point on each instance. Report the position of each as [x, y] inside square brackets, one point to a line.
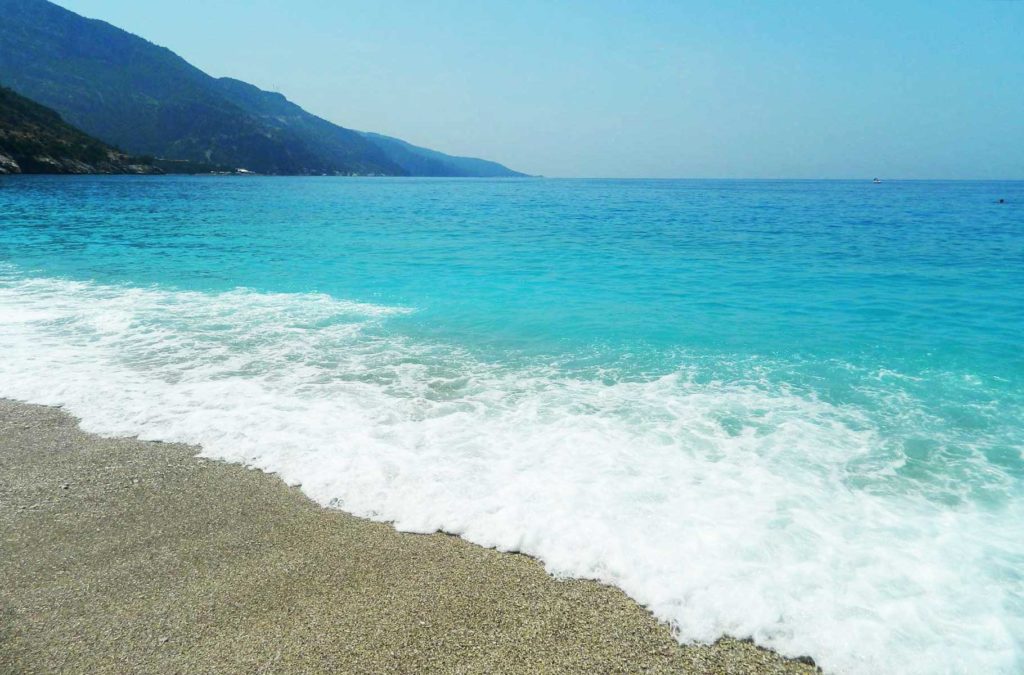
[419, 161]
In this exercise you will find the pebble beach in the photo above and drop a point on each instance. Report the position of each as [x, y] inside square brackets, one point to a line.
[124, 556]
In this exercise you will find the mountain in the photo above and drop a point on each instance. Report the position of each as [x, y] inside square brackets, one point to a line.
[34, 139]
[327, 147]
[417, 161]
[148, 100]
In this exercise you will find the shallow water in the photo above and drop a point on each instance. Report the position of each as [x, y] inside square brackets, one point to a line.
[790, 410]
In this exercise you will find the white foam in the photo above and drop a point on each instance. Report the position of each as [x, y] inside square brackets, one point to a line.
[752, 528]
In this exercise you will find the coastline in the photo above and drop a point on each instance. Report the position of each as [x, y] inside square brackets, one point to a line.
[122, 555]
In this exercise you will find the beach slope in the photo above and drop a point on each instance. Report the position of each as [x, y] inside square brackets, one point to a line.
[126, 556]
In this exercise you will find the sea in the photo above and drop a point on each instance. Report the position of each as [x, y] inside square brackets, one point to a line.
[791, 411]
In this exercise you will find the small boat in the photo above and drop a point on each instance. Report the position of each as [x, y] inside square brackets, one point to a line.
[876, 181]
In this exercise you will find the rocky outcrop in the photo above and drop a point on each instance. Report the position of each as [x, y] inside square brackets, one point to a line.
[8, 165]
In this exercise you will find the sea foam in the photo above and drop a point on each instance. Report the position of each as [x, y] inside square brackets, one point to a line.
[726, 506]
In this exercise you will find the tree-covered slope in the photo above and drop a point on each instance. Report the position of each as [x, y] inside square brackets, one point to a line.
[329, 143]
[34, 139]
[148, 100]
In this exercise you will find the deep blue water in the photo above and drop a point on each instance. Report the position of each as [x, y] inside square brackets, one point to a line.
[810, 393]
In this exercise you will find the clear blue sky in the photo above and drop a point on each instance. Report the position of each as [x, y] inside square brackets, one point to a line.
[923, 89]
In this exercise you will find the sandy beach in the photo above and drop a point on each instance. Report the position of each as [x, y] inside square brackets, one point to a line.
[126, 556]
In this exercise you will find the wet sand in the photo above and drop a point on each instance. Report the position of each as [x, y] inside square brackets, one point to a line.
[124, 556]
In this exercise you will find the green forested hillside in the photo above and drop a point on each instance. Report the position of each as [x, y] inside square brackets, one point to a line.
[34, 139]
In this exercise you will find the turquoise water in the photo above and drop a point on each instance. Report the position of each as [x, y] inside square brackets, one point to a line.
[791, 410]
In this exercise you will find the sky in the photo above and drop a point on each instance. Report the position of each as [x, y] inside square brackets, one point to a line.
[724, 89]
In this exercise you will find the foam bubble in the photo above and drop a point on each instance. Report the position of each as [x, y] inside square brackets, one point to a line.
[726, 506]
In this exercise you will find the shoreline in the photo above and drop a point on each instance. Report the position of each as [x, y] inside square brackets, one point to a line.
[127, 555]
